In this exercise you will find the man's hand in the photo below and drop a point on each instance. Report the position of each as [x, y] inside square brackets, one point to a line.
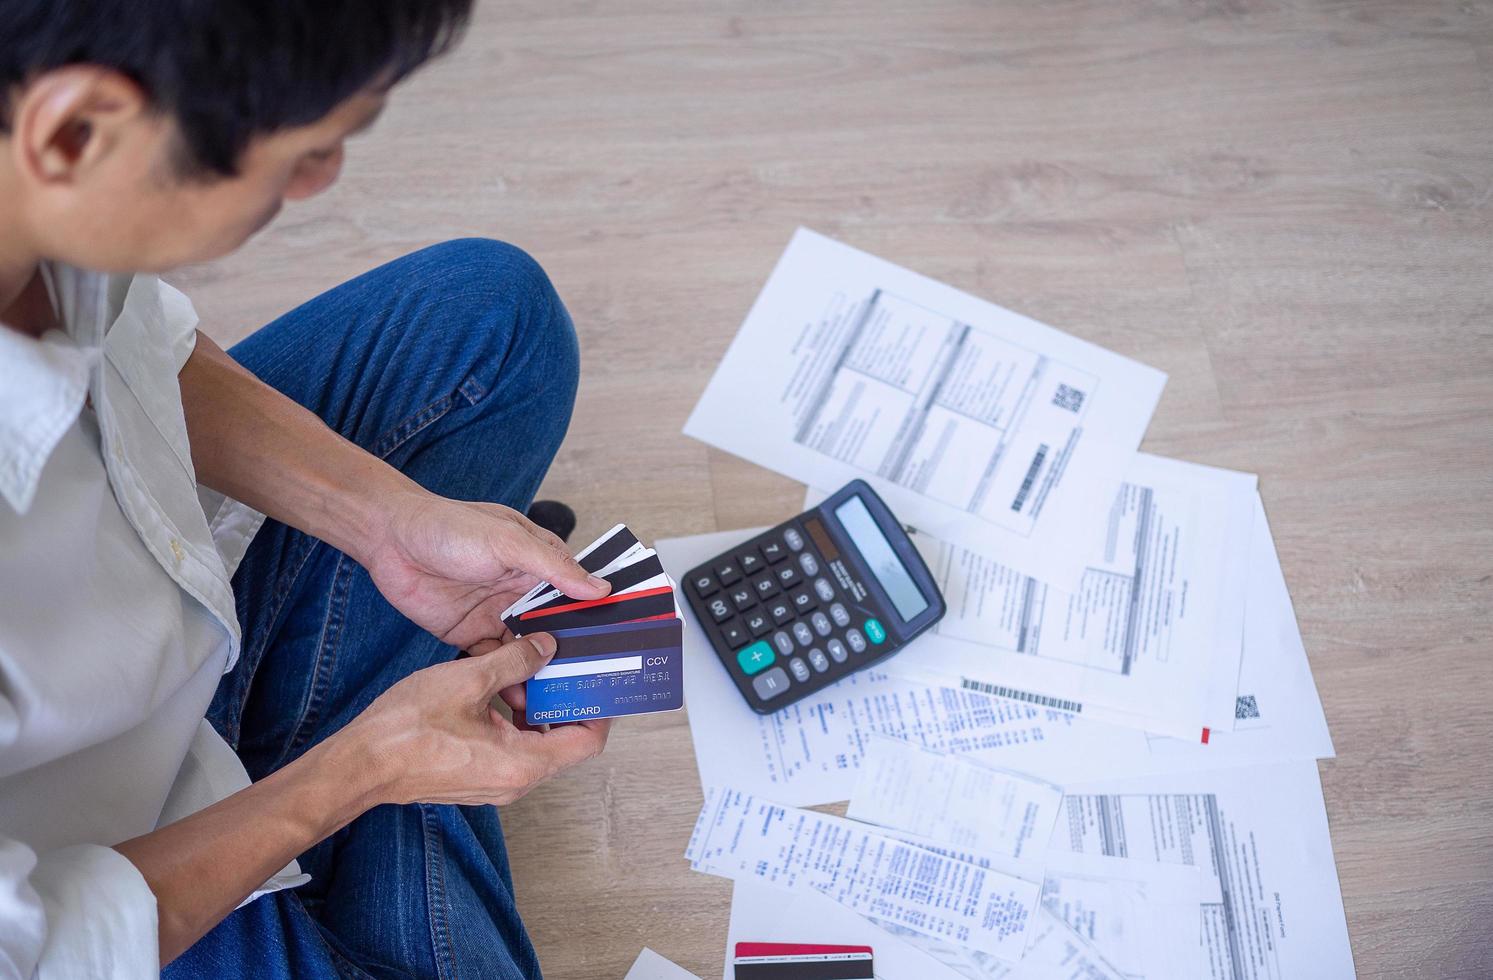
[435, 736]
[453, 566]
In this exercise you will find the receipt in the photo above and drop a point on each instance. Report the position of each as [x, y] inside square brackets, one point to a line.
[953, 800]
[742, 837]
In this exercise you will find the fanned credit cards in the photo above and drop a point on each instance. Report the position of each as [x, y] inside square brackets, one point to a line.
[618, 655]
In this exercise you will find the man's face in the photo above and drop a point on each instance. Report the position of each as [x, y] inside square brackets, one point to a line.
[129, 209]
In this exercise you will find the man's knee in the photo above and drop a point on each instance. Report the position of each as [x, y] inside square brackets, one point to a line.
[514, 304]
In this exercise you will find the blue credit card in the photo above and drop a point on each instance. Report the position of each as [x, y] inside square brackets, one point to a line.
[610, 671]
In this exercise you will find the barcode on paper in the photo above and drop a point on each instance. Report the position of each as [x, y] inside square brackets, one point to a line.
[1008, 692]
[1031, 478]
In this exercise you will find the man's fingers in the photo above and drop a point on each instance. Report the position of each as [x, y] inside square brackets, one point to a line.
[516, 696]
[564, 746]
[483, 647]
[515, 662]
[517, 700]
[544, 555]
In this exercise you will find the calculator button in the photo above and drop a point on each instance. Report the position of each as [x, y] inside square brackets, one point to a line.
[840, 616]
[809, 563]
[705, 585]
[825, 590]
[875, 631]
[802, 633]
[784, 642]
[788, 576]
[728, 573]
[758, 623]
[742, 598]
[770, 684]
[765, 585]
[750, 562]
[818, 660]
[774, 551]
[794, 539]
[856, 641]
[720, 610]
[821, 624]
[781, 611]
[735, 634]
[803, 601]
[800, 669]
[837, 650]
[755, 658]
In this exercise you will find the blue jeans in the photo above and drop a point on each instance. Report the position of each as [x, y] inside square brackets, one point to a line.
[457, 365]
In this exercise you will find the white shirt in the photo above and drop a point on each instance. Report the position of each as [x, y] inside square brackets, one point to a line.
[116, 622]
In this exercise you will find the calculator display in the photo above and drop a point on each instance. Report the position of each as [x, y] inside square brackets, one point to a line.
[883, 562]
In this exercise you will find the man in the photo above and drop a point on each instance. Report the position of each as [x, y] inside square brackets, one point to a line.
[175, 733]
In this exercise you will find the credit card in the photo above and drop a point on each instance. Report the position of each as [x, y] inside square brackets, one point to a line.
[608, 671]
[593, 558]
[610, 609]
[802, 961]
[623, 580]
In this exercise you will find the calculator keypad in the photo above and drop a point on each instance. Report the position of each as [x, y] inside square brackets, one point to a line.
[784, 624]
[770, 684]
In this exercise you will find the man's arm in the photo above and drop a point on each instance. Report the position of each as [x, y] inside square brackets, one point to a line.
[451, 566]
[432, 737]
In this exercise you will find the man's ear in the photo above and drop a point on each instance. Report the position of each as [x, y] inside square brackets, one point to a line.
[67, 122]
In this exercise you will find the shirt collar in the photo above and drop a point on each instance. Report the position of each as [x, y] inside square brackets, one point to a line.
[42, 386]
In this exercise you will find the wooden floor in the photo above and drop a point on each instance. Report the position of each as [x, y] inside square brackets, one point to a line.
[1285, 204]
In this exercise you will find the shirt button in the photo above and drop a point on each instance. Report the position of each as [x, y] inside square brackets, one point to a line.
[176, 550]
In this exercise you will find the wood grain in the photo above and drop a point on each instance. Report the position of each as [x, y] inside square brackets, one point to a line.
[1283, 203]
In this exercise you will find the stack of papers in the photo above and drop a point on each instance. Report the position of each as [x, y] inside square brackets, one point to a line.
[1102, 761]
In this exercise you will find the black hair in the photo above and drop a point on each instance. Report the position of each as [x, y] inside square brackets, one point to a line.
[228, 70]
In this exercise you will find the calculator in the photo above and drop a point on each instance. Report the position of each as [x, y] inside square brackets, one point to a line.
[829, 592]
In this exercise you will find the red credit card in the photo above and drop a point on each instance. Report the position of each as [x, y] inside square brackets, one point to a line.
[802, 961]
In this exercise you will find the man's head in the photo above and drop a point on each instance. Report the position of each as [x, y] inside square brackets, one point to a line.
[137, 135]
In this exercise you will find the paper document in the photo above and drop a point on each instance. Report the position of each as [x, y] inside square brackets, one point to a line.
[1277, 713]
[1141, 916]
[741, 836]
[1270, 907]
[976, 424]
[651, 966]
[953, 801]
[1153, 635]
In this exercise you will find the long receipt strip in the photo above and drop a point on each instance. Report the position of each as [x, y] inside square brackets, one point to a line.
[1139, 917]
[811, 752]
[740, 836]
[1110, 916]
[953, 800]
[974, 423]
[1152, 637]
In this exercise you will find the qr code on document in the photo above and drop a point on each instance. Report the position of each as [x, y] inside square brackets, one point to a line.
[1069, 398]
[1245, 707]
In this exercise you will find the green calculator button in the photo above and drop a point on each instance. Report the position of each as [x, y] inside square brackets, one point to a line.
[757, 656]
[875, 632]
